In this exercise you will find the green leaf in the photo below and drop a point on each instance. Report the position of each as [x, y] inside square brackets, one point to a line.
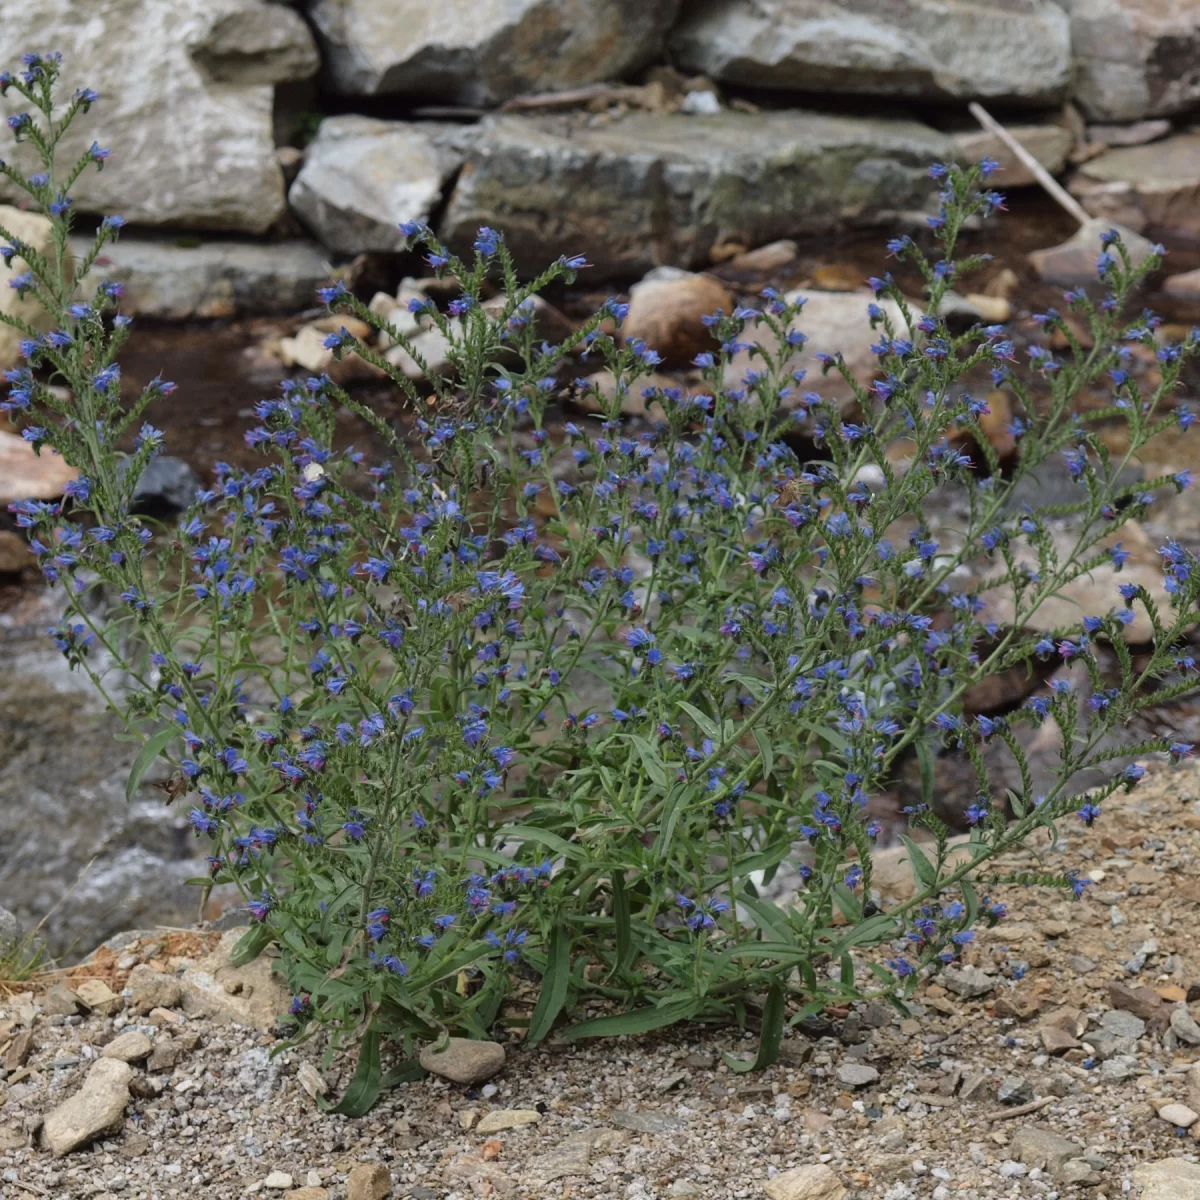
[367, 1083]
[771, 917]
[925, 762]
[704, 723]
[764, 752]
[409, 1071]
[848, 903]
[874, 929]
[530, 833]
[153, 747]
[650, 760]
[769, 1041]
[622, 920]
[640, 1020]
[251, 944]
[554, 986]
[924, 872]
[971, 899]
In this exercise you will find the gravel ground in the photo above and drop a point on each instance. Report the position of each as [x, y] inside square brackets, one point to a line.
[1044, 1067]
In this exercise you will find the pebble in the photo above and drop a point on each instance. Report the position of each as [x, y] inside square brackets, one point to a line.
[507, 1118]
[150, 989]
[1168, 1179]
[1178, 1114]
[128, 1047]
[814, 1182]
[1058, 1041]
[278, 1181]
[61, 1001]
[1014, 1089]
[647, 1122]
[857, 1075]
[368, 1181]
[968, 982]
[98, 996]
[98, 1106]
[1038, 1147]
[666, 311]
[1183, 1027]
[311, 1080]
[464, 1060]
[1143, 1002]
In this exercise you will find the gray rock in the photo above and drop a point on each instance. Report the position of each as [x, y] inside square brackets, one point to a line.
[1073, 263]
[167, 485]
[1122, 1023]
[1078, 1172]
[174, 280]
[251, 995]
[61, 1001]
[647, 1122]
[968, 982]
[98, 1107]
[941, 48]
[463, 1060]
[189, 149]
[651, 188]
[1134, 59]
[1183, 1027]
[976, 1085]
[857, 1075]
[1037, 1147]
[1048, 142]
[257, 44]
[362, 176]
[1136, 134]
[149, 989]
[1118, 1068]
[1152, 186]
[1168, 1179]
[166, 1053]
[1117, 1034]
[1014, 1089]
[484, 51]
[131, 1046]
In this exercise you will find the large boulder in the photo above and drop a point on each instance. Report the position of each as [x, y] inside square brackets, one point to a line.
[1155, 187]
[361, 176]
[1003, 50]
[186, 100]
[27, 475]
[1135, 58]
[484, 51]
[1047, 141]
[34, 231]
[175, 279]
[651, 189]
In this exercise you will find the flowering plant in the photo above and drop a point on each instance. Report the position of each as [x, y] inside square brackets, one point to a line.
[525, 703]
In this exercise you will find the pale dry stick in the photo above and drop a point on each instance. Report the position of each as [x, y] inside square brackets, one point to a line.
[1053, 188]
[1006, 1114]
